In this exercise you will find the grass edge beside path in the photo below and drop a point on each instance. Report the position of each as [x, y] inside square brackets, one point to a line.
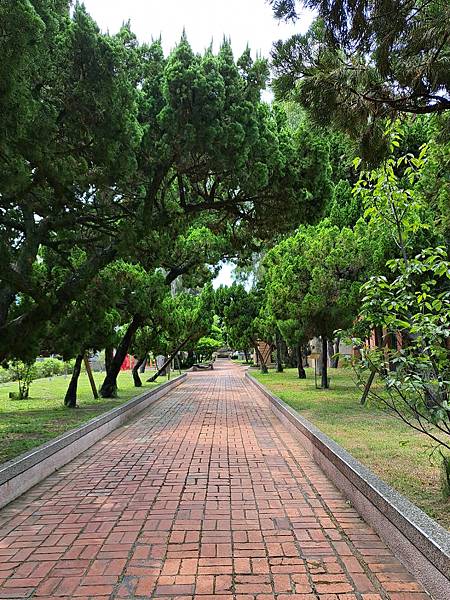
[381, 442]
[26, 424]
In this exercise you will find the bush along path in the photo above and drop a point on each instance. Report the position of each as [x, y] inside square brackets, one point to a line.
[205, 494]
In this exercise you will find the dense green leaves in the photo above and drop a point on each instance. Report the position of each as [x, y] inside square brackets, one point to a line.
[111, 151]
[367, 60]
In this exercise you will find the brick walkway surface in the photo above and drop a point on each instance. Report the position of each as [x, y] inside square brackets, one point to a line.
[203, 495]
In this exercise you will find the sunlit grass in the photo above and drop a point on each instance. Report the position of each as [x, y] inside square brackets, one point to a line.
[25, 424]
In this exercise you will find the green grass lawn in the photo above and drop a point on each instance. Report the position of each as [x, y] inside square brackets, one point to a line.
[25, 424]
[392, 450]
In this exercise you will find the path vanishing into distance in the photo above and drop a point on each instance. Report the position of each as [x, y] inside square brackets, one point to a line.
[204, 494]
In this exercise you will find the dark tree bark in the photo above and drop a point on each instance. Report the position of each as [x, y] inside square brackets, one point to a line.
[70, 399]
[109, 355]
[368, 386]
[169, 360]
[300, 367]
[135, 371]
[324, 363]
[306, 353]
[292, 358]
[279, 354]
[142, 367]
[246, 356]
[109, 387]
[262, 364]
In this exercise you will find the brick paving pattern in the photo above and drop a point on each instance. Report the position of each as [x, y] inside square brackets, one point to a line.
[204, 495]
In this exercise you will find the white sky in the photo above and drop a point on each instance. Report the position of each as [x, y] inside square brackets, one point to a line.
[245, 22]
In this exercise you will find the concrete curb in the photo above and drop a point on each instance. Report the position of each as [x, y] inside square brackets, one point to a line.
[20, 474]
[416, 539]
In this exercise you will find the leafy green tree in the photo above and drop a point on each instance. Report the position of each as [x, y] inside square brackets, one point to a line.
[189, 317]
[121, 151]
[240, 312]
[141, 292]
[415, 304]
[312, 282]
[23, 373]
[363, 61]
[205, 347]
[410, 303]
[67, 149]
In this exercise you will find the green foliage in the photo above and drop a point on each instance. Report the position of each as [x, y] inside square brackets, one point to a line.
[205, 347]
[390, 196]
[416, 302]
[123, 154]
[364, 61]
[345, 207]
[238, 310]
[47, 367]
[313, 278]
[23, 373]
[410, 301]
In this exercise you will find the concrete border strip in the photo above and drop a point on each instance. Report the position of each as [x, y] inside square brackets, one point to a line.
[20, 474]
[416, 539]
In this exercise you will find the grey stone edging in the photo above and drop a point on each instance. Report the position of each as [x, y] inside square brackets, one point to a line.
[427, 536]
[54, 454]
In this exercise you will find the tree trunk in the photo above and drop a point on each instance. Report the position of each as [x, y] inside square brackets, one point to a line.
[135, 372]
[300, 367]
[246, 356]
[142, 367]
[367, 387]
[70, 399]
[324, 363]
[87, 366]
[109, 387]
[306, 349]
[109, 355]
[279, 356]
[262, 364]
[292, 357]
[169, 360]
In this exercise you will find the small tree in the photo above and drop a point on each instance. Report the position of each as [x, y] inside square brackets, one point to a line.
[24, 373]
[416, 305]
[205, 347]
[313, 280]
[411, 303]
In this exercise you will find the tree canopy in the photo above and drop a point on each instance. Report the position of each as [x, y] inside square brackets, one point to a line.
[366, 60]
[123, 153]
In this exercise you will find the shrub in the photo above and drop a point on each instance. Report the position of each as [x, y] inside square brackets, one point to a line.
[24, 373]
[49, 367]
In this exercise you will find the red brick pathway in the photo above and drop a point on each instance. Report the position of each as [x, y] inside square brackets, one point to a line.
[204, 495]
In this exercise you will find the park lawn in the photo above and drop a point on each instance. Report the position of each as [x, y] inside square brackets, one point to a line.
[25, 424]
[379, 440]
